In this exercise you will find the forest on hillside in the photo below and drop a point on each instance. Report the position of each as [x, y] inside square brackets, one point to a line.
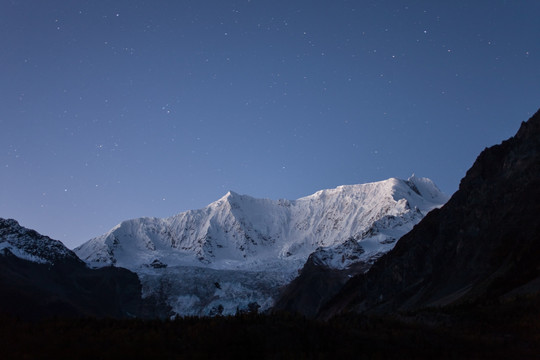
[495, 331]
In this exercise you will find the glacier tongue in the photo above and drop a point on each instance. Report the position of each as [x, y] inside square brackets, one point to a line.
[254, 246]
[198, 291]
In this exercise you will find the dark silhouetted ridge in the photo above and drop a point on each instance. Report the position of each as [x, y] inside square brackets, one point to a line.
[482, 247]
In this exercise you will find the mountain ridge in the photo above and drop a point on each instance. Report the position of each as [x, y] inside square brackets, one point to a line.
[29, 245]
[244, 222]
[260, 243]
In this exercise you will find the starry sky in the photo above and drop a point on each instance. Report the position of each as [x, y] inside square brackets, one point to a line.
[112, 110]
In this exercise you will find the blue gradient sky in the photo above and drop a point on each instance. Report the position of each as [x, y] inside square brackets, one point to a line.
[119, 109]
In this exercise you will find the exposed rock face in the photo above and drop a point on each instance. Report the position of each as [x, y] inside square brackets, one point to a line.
[40, 277]
[28, 244]
[482, 246]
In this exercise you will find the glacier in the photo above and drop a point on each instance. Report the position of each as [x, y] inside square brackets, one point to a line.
[239, 250]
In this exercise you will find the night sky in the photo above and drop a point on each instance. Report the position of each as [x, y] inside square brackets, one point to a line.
[112, 110]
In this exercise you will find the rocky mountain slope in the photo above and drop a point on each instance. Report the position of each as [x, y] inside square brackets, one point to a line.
[482, 247]
[40, 277]
[240, 250]
[29, 245]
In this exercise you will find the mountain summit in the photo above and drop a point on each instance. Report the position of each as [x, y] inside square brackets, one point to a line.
[239, 234]
[239, 231]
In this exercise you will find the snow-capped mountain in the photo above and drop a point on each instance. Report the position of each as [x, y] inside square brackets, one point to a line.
[271, 238]
[29, 245]
[239, 231]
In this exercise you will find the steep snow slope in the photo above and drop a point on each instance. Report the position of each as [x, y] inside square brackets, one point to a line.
[240, 233]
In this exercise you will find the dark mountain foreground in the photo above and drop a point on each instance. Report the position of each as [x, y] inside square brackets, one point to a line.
[482, 248]
[34, 291]
[50, 280]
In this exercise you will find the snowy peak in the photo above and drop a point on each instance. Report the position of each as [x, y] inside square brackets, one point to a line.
[427, 189]
[382, 212]
[252, 247]
[29, 245]
[239, 231]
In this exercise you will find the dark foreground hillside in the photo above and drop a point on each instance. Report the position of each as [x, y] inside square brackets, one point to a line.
[57, 283]
[482, 247]
[508, 331]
